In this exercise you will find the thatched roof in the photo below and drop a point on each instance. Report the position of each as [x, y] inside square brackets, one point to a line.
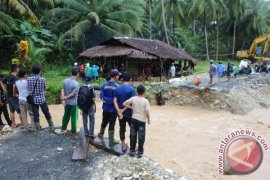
[136, 48]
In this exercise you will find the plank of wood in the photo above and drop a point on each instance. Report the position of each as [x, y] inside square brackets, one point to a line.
[81, 150]
[103, 144]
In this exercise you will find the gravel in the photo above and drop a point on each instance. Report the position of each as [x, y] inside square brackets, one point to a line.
[48, 156]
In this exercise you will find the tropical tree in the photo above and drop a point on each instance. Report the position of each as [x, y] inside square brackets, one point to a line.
[172, 13]
[207, 9]
[236, 10]
[118, 17]
[6, 23]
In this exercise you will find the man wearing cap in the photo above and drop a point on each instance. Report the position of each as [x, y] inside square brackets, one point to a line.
[109, 112]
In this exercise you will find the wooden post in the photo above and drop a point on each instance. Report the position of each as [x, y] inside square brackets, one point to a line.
[181, 69]
[160, 69]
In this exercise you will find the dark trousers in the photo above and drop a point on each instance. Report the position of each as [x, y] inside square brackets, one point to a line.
[91, 114]
[123, 123]
[109, 118]
[137, 129]
[4, 110]
[44, 109]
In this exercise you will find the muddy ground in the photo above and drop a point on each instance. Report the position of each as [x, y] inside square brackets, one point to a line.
[239, 96]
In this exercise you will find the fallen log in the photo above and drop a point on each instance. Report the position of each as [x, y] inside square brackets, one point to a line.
[103, 144]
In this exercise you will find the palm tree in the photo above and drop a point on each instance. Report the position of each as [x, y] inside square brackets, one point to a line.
[173, 13]
[6, 23]
[236, 10]
[164, 21]
[22, 8]
[206, 9]
[118, 17]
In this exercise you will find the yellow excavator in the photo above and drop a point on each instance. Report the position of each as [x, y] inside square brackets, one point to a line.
[257, 53]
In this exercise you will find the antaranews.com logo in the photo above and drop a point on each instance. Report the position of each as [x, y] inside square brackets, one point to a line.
[241, 152]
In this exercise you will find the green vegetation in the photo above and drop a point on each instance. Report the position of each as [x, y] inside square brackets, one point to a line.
[58, 30]
[64, 28]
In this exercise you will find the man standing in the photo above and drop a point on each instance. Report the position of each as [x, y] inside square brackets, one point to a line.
[36, 87]
[3, 103]
[95, 69]
[88, 71]
[172, 71]
[109, 112]
[220, 70]
[86, 102]
[140, 116]
[212, 71]
[22, 88]
[69, 94]
[123, 93]
[9, 81]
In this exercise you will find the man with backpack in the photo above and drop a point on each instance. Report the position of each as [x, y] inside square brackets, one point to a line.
[109, 112]
[86, 103]
[69, 94]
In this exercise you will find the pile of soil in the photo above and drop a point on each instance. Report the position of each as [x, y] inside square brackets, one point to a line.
[48, 156]
[239, 96]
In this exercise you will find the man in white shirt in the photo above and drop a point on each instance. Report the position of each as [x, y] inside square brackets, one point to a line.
[172, 71]
[140, 115]
[20, 89]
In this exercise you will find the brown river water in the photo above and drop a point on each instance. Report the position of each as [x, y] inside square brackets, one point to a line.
[187, 139]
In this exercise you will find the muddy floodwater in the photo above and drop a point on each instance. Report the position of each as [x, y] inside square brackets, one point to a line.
[187, 139]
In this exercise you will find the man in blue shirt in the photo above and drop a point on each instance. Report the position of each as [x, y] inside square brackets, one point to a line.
[109, 112]
[121, 94]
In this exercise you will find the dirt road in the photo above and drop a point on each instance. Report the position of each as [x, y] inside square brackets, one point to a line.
[186, 139]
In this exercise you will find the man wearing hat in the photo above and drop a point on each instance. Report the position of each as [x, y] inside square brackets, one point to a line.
[109, 112]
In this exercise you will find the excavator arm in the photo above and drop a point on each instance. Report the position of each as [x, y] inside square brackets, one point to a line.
[255, 43]
[251, 53]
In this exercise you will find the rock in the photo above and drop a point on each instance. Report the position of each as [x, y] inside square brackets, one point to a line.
[6, 129]
[169, 171]
[136, 176]
[107, 177]
[138, 169]
[147, 177]
[113, 159]
[127, 178]
[100, 166]
[183, 178]
[156, 164]
[126, 173]
[59, 149]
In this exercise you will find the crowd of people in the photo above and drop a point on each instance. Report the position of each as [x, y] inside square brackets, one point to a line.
[25, 94]
[221, 70]
[15, 90]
